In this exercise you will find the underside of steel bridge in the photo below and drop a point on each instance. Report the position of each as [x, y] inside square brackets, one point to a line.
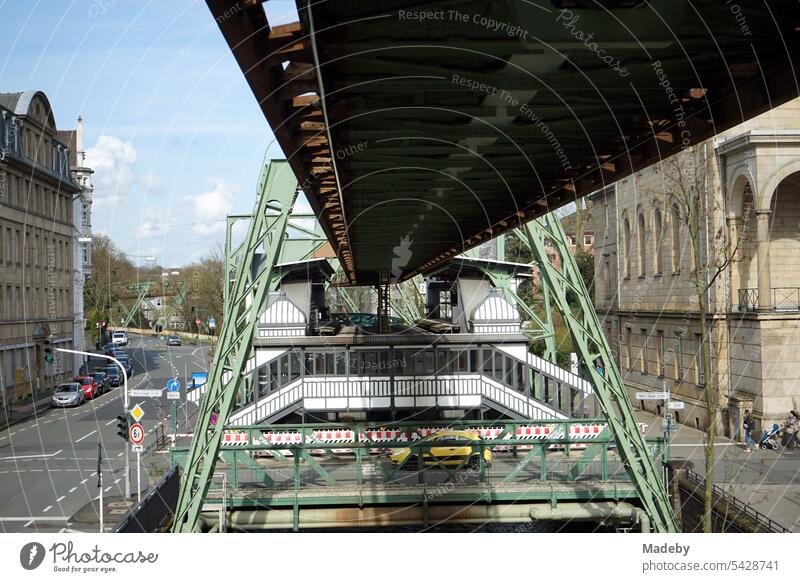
[468, 118]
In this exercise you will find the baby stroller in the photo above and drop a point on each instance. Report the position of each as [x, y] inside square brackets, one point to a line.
[768, 440]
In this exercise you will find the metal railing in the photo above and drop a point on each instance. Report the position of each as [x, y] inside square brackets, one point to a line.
[265, 458]
[763, 523]
[783, 299]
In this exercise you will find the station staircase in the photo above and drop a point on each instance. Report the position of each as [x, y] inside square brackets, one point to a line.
[548, 392]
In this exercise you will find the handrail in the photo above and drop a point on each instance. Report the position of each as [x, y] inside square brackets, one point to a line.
[783, 299]
[769, 524]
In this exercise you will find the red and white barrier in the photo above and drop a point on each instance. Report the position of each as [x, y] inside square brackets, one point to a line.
[578, 432]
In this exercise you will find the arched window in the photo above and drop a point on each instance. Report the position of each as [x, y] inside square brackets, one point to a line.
[626, 243]
[658, 231]
[676, 239]
[642, 246]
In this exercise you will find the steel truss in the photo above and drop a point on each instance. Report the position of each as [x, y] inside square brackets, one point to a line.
[250, 278]
[593, 350]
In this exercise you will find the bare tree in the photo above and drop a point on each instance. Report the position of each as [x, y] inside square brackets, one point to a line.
[687, 178]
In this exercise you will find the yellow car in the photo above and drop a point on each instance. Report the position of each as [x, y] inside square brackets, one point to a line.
[450, 447]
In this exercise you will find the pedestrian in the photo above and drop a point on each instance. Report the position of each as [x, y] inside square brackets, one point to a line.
[790, 427]
[598, 365]
[748, 425]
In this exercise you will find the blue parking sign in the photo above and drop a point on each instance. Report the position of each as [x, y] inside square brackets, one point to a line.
[173, 385]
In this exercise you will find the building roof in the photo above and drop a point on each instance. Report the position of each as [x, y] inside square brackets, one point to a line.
[68, 137]
[19, 103]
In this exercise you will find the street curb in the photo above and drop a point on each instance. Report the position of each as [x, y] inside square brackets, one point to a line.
[39, 406]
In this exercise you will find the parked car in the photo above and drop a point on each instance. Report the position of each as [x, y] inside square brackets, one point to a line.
[448, 447]
[126, 363]
[120, 337]
[173, 340]
[102, 380]
[113, 350]
[89, 385]
[69, 394]
[113, 373]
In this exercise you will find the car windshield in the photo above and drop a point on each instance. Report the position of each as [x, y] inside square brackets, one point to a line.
[112, 372]
[173, 337]
[66, 388]
[86, 381]
[448, 439]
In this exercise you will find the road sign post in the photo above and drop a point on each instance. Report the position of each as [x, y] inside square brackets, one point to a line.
[137, 438]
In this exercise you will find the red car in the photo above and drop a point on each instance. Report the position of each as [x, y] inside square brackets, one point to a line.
[89, 385]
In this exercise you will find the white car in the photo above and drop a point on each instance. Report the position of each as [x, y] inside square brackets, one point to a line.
[120, 338]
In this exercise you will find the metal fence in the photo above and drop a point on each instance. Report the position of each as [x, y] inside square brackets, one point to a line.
[762, 522]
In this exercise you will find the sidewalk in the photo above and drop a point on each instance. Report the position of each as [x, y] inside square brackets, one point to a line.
[17, 413]
[767, 480]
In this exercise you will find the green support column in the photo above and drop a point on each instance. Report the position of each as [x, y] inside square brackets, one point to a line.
[591, 344]
[253, 277]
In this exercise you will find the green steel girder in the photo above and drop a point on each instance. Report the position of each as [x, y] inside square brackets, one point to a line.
[141, 290]
[591, 344]
[252, 278]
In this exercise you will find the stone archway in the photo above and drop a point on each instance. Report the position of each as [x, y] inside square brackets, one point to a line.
[742, 227]
[784, 242]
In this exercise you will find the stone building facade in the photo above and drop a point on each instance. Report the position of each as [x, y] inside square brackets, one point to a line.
[37, 231]
[82, 234]
[644, 287]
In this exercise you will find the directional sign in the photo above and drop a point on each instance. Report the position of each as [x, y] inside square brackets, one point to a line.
[199, 378]
[147, 392]
[173, 395]
[136, 434]
[137, 412]
[652, 395]
[677, 405]
[173, 385]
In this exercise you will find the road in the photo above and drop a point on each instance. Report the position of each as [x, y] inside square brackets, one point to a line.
[48, 465]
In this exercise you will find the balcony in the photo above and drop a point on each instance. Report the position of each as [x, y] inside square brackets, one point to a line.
[783, 299]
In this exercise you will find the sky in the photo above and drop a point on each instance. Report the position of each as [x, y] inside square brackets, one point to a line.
[171, 129]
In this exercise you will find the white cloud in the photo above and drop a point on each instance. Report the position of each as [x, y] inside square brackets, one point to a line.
[153, 229]
[212, 206]
[113, 163]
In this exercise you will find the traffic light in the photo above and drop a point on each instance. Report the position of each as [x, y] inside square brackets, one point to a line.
[123, 426]
[49, 357]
